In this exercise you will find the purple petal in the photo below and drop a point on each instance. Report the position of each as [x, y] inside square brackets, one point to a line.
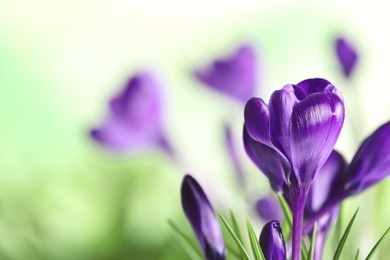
[371, 162]
[134, 121]
[315, 85]
[280, 108]
[346, 55]
[268, 160]
[272, 241]
[321, 187]
[269, 209]
[235, 76]
[257, 120]
[316, 123]
[203, 220]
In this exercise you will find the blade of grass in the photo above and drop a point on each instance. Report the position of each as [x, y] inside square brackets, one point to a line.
[338, 227]
[185, 242]
[313, 242]
[344, 237]
[236, 229]
[257, 252]
[357, 254]
[234, 236]
[286, 209]
[375, 248]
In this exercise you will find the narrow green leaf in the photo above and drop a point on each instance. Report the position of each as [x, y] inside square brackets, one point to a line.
[304, 252]
[257, 252]
[185, 242]
[286, 209]
[313, 242]
[236, 229]
[357, 254]
[375, 248]
[338, 227]
[234, 236]
[344, 237]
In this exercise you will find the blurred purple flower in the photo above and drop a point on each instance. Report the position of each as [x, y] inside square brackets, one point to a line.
[235, 76]
[346, 55]
[134, 120]
[269, 209]
[292, 137]
[272, 242]
[203, 220]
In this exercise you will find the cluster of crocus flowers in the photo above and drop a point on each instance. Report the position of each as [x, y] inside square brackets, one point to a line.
[291, 142]
[134, 121]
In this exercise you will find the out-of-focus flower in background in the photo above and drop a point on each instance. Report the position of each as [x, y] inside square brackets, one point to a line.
[134, 122]
[347, 56]
[204, 222]
[269, 208]
[236, 76]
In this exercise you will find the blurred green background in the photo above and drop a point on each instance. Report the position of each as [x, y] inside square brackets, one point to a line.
[64, 197]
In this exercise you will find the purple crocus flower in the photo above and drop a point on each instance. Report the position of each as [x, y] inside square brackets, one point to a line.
[297, 130]
[269, 209]
[235, 76]
[272, 242]
[346, 55]
[134, 120]
[203, 220]
[370, 164]
[232, 151]
[300, 127]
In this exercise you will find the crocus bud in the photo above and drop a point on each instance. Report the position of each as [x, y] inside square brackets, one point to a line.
[370, 164]
[347, 56]
[134, 120]
[272, 241]
[301, 124]
[235, 76]
[203, 220]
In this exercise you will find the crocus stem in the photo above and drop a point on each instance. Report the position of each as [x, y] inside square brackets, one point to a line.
[298, 208]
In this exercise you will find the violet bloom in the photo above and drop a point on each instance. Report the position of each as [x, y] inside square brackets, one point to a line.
[235, 76]
[296, 132]
[299, 127]
[346, 55]
[320, 191]
[272, 242]
[269, 209]
[134, 120]
[370, 164]
[203, 220]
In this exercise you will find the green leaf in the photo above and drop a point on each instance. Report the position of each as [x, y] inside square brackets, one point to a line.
[236, 229]
[185, 242]
[258, 253]
[312, 242]
[234, 236]
[375, 248]
[344, 237]
[286, 209]
[338, 227]
[357, 254]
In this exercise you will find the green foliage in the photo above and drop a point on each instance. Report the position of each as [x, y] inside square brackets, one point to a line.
[375, 248]
[257, 252]
[312, 242]
[344, 237]
[185, 242]
[234, 236]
